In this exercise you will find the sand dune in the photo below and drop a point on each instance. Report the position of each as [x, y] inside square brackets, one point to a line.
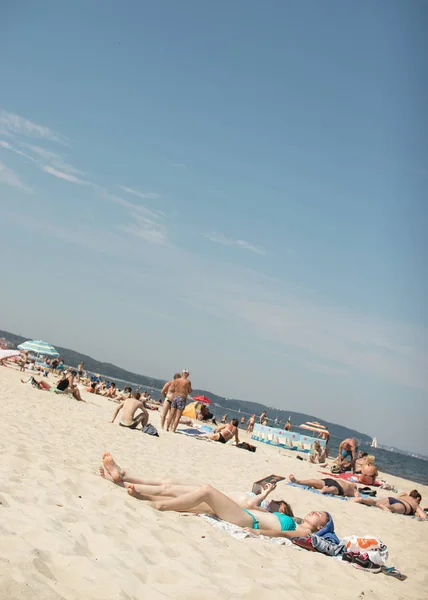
[66, 533]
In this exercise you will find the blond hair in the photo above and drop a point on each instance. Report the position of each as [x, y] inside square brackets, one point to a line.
[370, 459]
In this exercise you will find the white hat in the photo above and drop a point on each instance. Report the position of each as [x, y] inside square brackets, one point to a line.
[186, 371]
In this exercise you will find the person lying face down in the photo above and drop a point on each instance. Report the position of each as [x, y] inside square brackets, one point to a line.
[403, 504]
[259, 521]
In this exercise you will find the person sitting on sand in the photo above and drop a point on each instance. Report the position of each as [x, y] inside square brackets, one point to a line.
[224, 433]
[23, 361]
[368, 470]
[180, 389]
[328, 485]
[111, 391]
[348, 448]
[168, 398]
[258, 521]
[130, 407]
[66, 384]
[318, 456]
[167, 488]
[403, 504]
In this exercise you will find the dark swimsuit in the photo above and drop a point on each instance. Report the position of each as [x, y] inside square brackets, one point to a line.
[221, 439]
[403, 503]
[329, 482]
[62, 385]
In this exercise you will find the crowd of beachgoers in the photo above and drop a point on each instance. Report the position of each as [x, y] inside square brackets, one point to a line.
[350, 470]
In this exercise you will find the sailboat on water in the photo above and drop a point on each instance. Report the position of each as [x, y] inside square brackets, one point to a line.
[374, 443]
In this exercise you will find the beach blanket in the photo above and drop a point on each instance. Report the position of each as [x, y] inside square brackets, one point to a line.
[240, 534]
[198, 434]
[349, 477]
[313, 490]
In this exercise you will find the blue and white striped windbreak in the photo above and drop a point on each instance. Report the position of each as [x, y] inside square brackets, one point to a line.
[39, 347]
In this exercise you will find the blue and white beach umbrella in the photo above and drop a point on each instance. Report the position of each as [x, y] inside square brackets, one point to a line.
[39, 347]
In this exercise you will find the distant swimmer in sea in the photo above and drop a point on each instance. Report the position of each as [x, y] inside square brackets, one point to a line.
[180, 389]
[224, 433]
[256, 520]
[403, 504]
[348, 449]
[168, 397]
[328, 485]
[130, 407]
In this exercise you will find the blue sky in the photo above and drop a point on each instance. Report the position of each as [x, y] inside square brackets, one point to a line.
[234, 187]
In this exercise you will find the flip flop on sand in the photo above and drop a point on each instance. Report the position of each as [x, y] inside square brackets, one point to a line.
[393, 572]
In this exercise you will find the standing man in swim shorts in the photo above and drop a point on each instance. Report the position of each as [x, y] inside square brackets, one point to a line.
[180, 389]
[348, 448]
[167, 398]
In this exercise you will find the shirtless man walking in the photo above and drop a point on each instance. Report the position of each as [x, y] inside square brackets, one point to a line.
[180, 389]
[130, 407]
[224, 433]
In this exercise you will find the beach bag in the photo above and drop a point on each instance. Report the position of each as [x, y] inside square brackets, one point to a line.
[335, 469]
[150, 430]
[376, 550]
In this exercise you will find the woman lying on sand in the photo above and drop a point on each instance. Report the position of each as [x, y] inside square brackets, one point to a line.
[404, 504]
[328, 485]
[180, 498]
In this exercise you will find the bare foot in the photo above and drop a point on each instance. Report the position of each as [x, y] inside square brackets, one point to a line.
[157, 505]
[105, 474]
[292, 478]
[133, 492]
[357, 499]
[117, 474]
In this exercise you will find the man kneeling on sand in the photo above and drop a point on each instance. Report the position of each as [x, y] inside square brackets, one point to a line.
[130, 407]
[328, 485]
[224, 433]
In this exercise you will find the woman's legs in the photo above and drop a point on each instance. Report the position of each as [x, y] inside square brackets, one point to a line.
[171, 418]
[166, 407]
[222, 506]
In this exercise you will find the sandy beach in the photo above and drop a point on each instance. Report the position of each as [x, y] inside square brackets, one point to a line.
[66, 533]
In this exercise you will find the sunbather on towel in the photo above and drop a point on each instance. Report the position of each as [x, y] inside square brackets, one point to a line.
[259, 521]
[403, 504]
[224, 433]
[167, 488]
[328, 485]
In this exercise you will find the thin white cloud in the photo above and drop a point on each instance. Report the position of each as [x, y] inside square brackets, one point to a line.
[149, 230]
[54, 159]
[10, 178]
[144, 223]
[219, 238]
[66, 176]
[144, 195]
[7, 146]
[11, 123]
